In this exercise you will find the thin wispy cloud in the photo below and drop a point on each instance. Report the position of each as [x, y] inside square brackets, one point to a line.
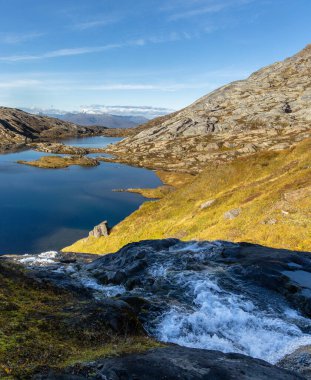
[97, 49]
[60, 53]
[17, 38]
[198, 11]
[146, 86]
[19, 83]
[61, 84]
[98, 22]
[184, 9]
[164, 52]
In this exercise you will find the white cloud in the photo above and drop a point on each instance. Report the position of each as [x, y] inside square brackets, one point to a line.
[173, 36]
[16, 38]
[146, 111]
[98, 109]
[96, 23]
[60, 53]
[144, 87]
[198, 11]
[183, 9]
[19, 83]
[50, 85]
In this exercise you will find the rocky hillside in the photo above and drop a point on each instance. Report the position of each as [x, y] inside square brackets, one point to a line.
[18, 128]
[271, 110]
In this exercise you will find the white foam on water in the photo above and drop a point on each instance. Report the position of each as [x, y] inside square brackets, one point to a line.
[43, 258]
[197, 246]
[228, 322]
[105, 290]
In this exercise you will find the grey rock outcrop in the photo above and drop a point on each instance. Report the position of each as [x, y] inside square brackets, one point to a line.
[269, 110]
[207, 204]
[299, 361]
[232, 214]
[101, 230]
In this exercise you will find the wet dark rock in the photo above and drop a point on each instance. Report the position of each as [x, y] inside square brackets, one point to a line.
[173, 363]
[298, 361]
[250, 264]
[111, 277]
[137, 303]
[105, 318]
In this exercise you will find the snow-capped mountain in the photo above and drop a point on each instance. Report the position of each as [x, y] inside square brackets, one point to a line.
[107, 116]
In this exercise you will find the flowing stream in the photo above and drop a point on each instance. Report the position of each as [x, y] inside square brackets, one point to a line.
[199, 297]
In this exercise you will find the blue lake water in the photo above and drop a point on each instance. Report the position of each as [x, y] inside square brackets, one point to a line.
[91, 142]
[47, 209]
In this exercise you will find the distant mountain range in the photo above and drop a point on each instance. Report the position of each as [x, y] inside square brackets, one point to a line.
[106, 116]
[101, 120]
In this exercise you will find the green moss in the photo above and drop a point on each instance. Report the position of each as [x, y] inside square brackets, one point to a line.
[36, 332]
[130, 345]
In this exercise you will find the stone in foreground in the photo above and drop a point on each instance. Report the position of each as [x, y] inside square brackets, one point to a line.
[176, 363]
[101, 230]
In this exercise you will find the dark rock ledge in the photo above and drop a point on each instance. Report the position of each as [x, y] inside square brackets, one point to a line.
[175, 363]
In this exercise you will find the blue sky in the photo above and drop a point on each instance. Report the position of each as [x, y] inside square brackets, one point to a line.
[163, 53]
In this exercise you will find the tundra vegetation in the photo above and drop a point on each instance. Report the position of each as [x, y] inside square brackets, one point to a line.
[271, 191]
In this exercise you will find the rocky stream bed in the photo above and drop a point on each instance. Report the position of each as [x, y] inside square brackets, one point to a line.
[226, 311]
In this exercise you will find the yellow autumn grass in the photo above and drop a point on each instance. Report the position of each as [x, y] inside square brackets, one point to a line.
[272, 191]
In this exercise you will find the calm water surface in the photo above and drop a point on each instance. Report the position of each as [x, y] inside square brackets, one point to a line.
[43, 209]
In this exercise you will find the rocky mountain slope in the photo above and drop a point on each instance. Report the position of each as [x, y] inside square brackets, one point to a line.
[271, 110]
[18, 128]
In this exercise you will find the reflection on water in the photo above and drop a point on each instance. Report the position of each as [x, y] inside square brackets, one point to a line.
[43, 209]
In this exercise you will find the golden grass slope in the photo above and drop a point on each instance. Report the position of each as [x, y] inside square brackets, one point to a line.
[271, 192]
[172, 181]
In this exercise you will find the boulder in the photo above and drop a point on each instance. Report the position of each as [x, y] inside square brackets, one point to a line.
[173, 363]
[207, 204]
[298, 361]
[232, 214]
[101, 230]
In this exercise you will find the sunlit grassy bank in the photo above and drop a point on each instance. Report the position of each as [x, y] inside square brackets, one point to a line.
[264, 198]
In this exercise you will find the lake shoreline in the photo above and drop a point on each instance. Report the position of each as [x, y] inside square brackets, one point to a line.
[108, 132]
[74, 199]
